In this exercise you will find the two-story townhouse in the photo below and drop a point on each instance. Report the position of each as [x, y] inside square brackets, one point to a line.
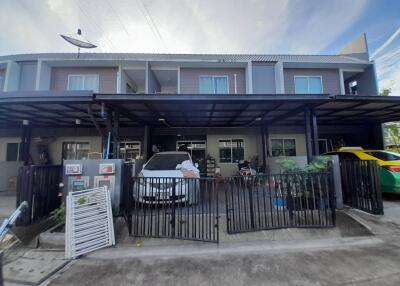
[229, 107]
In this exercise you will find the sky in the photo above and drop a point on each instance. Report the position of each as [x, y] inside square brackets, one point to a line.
[208, 26]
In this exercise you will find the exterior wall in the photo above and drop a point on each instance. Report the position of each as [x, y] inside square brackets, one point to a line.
[107, 77]
[330, 79]
[154, 85]
[366, 82]
[252, 146]
[3, 78]
[263, 78]
[7, 171]
[27, 79]
[190, 79]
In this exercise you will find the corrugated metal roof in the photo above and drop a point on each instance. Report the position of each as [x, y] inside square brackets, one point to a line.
[192, 57]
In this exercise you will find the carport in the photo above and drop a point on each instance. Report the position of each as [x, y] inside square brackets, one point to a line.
[107, 114]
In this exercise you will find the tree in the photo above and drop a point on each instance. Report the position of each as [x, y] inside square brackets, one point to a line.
[385, 92]
[393, 134]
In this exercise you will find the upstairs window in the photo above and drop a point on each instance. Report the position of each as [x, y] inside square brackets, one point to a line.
[213, 84]
[308, 84]
[231, 150]
[83, 82]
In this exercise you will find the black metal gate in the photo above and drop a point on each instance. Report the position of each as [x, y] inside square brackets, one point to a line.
[265, 202]
[39, 186]
[182, 208]
[361, 187]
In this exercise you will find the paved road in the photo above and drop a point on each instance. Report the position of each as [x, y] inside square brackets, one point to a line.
[368, 260]
[391, 207]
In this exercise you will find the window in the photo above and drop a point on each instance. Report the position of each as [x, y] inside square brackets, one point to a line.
[129, 150]
[283, 147]
[166, 161]
[384, 156]
[12, 152]
[75, 150]
[1, 84]
[347, 156]
[83, 82]
[231, 150]
[213, 84]
[308, 84]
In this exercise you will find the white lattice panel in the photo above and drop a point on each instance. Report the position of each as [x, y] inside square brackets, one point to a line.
[89, 222]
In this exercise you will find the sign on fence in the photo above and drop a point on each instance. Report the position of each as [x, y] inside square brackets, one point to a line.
[89, 222]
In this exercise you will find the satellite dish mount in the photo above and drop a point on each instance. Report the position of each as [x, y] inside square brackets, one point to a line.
[79, 41]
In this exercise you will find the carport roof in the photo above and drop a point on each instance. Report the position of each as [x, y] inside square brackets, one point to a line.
[61, 109]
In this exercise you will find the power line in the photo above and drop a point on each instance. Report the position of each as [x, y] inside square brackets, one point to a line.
[150, 22]
[118, 18]
[92, 23]
[386, 43]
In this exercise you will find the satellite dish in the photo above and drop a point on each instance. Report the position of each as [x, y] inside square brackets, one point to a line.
[79, 41]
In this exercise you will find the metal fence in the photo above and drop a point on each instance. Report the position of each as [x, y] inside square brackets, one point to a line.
[265, 202]
[39, 186]
[182, 208]
[361, 185]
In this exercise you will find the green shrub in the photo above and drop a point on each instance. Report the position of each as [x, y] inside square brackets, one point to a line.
[320, 164]
[59, 214]
[287, 165]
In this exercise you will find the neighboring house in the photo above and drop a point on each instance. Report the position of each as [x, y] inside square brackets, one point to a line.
[218, 129]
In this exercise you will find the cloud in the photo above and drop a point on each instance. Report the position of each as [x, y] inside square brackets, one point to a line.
[184, 26]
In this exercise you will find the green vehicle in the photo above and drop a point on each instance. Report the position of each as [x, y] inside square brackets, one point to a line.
[389, 163]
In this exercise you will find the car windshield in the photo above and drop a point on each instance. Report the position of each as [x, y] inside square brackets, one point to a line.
[384, 156]
[166, 161]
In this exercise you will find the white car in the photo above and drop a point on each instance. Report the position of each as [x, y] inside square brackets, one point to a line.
[168, 177]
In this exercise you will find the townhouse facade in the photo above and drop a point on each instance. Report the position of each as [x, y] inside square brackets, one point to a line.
[228, 107]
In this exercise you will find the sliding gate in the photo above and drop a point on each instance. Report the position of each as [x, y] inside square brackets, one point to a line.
[265, 202]
[182, 208]
[361, 185]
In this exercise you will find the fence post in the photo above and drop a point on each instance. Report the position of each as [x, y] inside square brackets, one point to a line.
[333, 192]
[251, 206]
[377, 187]
[290, 204]
[1, 268]
[173, 208]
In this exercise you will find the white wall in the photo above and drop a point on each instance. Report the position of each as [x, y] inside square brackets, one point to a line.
[8, 170]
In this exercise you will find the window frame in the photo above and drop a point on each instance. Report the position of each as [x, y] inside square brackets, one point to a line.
[18, 152]
[308, 83]
[283, 146]
[213, 77]
[76, 144]
[230, 139]
[139, 143]
[84, 75]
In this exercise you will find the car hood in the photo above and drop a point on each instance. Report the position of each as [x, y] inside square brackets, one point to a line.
[162, 173]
